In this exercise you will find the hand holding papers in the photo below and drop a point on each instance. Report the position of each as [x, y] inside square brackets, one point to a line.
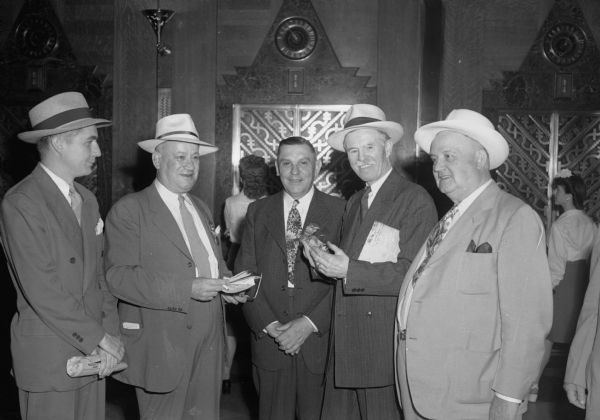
[310, 234]
[87, 365]
[381, 244]
[243, 281]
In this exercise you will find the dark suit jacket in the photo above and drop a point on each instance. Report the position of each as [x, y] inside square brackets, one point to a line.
[263, 250]
[149, 268]
[63, 305]
[365, 303]
[477, 321]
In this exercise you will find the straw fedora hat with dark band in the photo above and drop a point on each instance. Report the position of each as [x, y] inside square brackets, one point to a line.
[471, 124]
[177, 127]
[365, 116]
[58, 114]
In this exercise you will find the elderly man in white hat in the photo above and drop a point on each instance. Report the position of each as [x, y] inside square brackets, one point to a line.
[163, 261]
[52, 237]
[383, 227]
[476, 304]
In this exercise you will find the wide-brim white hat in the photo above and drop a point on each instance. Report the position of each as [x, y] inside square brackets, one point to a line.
[177, 127]
[365, 116]
[58, 114]
[471, 124]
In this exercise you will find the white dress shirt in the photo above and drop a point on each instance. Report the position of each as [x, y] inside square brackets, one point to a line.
[171, 199]
[62, 185]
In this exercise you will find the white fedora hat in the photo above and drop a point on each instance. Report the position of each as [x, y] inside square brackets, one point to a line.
[60, 113]
[365, 116]
[177, 127]
[471, 124]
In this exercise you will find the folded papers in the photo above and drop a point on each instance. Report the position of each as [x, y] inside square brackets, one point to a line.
[242, 281]
[87, 365]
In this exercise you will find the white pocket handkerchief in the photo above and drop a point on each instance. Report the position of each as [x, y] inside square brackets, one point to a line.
[99, 226]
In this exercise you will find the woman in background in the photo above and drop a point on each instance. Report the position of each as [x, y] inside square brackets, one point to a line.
[253, 185]
[569, 247]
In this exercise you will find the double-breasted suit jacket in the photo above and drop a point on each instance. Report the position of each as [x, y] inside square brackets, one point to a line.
[365, 302]
[263, 250]
[63, 305]
[150, 269]
[477, 320]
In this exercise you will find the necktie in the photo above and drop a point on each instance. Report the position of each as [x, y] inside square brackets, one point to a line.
[199, 253]
[434, 239]
[292, 232]
[364, 202]
[75, 202]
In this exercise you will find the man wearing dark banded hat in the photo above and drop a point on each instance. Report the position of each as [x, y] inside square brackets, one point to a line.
[163, 262]
[360, 378]
[52, 237]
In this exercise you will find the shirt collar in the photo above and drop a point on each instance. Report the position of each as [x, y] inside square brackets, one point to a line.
[376, 186]
[62, 185]
[304, 201]
[167, 195]
[466, 203]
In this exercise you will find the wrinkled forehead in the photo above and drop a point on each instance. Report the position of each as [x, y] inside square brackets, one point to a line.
[364, 135]
[454, 140]
[171, 147]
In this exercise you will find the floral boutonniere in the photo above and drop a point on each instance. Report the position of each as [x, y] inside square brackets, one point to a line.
[215, 231]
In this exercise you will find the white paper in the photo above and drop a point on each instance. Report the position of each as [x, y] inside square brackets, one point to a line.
[381, 244]
[240, 282]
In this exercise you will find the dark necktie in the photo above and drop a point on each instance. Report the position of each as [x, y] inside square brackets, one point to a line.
[197, 248]
[292, 233]
[434, 239]
[364, 202]
[75, 202]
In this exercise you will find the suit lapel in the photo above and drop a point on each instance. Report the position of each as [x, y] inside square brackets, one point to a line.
[164, 220]
[89, 244]
[60, 208]
[205, 219]
[274, 222]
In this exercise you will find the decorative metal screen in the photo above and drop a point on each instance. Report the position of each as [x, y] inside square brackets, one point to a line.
[258, 129]
[541, 144]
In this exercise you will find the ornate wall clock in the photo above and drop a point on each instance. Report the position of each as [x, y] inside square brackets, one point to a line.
[296, 38]
[36, 37]
[564, 44]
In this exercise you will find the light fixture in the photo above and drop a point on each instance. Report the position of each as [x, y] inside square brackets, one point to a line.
[158, 18]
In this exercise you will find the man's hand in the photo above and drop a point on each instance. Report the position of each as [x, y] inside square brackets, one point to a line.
[306, 247]
[108, 362]
[205, 289]
[294, 334]
[113, 346]
[503, 410]
[332, 265]
[575, 394]
[235, 299]
[273, 329]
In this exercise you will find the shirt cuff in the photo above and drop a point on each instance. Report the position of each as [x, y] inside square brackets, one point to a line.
[311, 323]
[509, 399]
[265, 329]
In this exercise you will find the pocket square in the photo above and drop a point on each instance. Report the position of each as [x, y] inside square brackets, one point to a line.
[484, 248]
[99, 227]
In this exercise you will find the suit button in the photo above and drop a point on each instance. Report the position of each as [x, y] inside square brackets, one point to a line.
[285, 313]
[189, 327]
[190, 264]
[283, 288]
[72, 260]
[369, 313]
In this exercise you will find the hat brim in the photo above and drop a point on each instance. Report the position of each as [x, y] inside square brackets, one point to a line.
[490, 139]
[35, 135]
[205, 148]
[392, 129]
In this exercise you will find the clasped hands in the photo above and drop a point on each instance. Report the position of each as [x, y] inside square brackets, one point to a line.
[111, 351]
[331, 265]
[205, 290]
[292, 335]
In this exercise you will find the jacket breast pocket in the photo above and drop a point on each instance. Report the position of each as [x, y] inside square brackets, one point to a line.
[478, 273]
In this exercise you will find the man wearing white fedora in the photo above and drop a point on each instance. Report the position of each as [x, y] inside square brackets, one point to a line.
[360, 376]
[52, 236]
[163, 262]
[476, 304]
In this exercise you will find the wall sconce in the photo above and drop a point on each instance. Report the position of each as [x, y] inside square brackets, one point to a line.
[159, 18]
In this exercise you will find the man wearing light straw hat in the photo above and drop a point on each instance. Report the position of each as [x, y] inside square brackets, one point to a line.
[52, 237]
[164, 263]
[476, 304]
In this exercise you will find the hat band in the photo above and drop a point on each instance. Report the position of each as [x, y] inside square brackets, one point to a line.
[63, 118]
[360, 121]
[171, 133]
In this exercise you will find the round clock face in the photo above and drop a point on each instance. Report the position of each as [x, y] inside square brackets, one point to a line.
[296, 38]
[564, 44]
[36, 37]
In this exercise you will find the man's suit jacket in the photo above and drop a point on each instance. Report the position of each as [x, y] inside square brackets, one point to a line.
[263, 250]
[477, 321]
[583, 364]
[63, 305]
[365, 303]
[150, 269]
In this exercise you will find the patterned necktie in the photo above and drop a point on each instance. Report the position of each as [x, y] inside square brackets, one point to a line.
[197, 248]
[434, 239]
[364, 202]
[75, 202]
[292, 233]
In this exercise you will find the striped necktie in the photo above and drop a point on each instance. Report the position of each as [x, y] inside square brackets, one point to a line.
[197, 248]
[364, 202]
[292, 233]
[76, 202]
